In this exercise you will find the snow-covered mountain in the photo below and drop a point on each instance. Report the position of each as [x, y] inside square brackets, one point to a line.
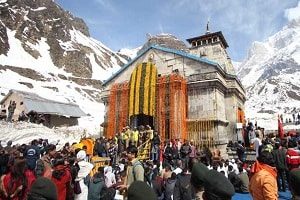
[129, 54]
[46, 50]
[271, 76]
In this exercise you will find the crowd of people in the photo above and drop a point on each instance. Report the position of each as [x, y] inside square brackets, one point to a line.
[174, 169]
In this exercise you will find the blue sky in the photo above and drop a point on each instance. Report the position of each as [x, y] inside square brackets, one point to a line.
[125, 23]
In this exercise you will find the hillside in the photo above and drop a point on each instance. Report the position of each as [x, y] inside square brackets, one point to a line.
[46, 50]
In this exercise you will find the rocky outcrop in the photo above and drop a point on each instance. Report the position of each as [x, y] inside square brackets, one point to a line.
[66, 35]
[165, 40]
[46, 50]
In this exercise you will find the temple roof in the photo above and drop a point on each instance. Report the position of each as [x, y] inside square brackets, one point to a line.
[168, 50]
[210, 35]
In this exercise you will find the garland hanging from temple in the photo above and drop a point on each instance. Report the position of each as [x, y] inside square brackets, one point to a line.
[142, 90]
[118, 108]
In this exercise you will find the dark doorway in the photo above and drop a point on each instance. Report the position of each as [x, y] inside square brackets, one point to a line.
[141, 119]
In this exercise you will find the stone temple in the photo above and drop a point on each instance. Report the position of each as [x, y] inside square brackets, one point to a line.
[187, 91]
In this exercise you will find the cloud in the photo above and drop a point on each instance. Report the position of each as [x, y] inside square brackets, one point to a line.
[106, 4]
[161, 28]
[293, 13]
[256, 18]
[97, 22]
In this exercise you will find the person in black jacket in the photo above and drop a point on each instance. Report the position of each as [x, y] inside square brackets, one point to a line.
[157, 185]
[169, 187]
[279, 154]
[32, 155]
[185, 151]
[168, 156]
[4, 157]
[183, 187]
[240, 151]
[155, 147]
[100, 147]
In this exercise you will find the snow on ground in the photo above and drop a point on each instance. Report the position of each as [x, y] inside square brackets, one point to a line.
[66, 93]
[24, 133]
[39, 9]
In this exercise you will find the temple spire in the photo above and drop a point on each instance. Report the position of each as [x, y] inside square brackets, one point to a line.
[207, 27]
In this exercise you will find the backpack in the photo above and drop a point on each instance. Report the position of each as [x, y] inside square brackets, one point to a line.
[31, 158]
[107, 193]
[185, 189]
[138, 163]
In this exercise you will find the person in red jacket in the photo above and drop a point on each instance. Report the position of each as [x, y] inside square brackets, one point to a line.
[17, 183]
[292, 157]
[61, 177]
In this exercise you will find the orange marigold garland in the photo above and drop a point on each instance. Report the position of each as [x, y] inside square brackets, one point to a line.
[175, 104]
[112, 111]
[118, 108]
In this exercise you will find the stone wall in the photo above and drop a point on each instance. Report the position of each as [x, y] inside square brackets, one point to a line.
[59, 121]
[19, 105]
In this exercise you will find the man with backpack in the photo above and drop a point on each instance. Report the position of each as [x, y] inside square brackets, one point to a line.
[183, 187]
[32, 155]
[135, 170]
[96, 184]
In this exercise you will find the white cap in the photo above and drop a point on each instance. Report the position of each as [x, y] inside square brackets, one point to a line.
[81, 155]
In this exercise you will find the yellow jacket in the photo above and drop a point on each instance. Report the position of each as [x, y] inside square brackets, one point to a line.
[124, 135]
[135, 136]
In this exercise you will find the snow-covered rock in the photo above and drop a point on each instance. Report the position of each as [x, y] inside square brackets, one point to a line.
[271, 75]
[129, 53]
[46, 50]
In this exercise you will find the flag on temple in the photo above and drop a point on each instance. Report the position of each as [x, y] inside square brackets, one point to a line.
[280, 128]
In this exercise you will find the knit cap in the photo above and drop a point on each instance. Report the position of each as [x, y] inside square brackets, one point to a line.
[43, 187]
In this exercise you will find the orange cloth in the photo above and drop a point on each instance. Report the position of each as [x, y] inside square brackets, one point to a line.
[263, 184]
[89, 143]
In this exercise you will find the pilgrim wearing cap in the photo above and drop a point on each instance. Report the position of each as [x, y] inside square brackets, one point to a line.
[199, 172]
[216, 185]
[42, 188]
[85, 169]
[139, 190]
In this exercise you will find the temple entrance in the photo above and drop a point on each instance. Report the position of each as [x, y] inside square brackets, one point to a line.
[141, 119]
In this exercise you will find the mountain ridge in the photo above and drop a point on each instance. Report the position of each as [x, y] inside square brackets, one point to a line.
[270, 74]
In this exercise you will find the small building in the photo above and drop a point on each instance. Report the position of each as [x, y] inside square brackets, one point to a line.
[54, 113]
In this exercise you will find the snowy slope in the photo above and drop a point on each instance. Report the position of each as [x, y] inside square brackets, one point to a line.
[46, 50]
[129, 53]
[271, 75]
[24, 133]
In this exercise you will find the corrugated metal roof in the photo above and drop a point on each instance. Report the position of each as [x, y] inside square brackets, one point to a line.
[168, 50]
[52, 107]
[34, 102]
